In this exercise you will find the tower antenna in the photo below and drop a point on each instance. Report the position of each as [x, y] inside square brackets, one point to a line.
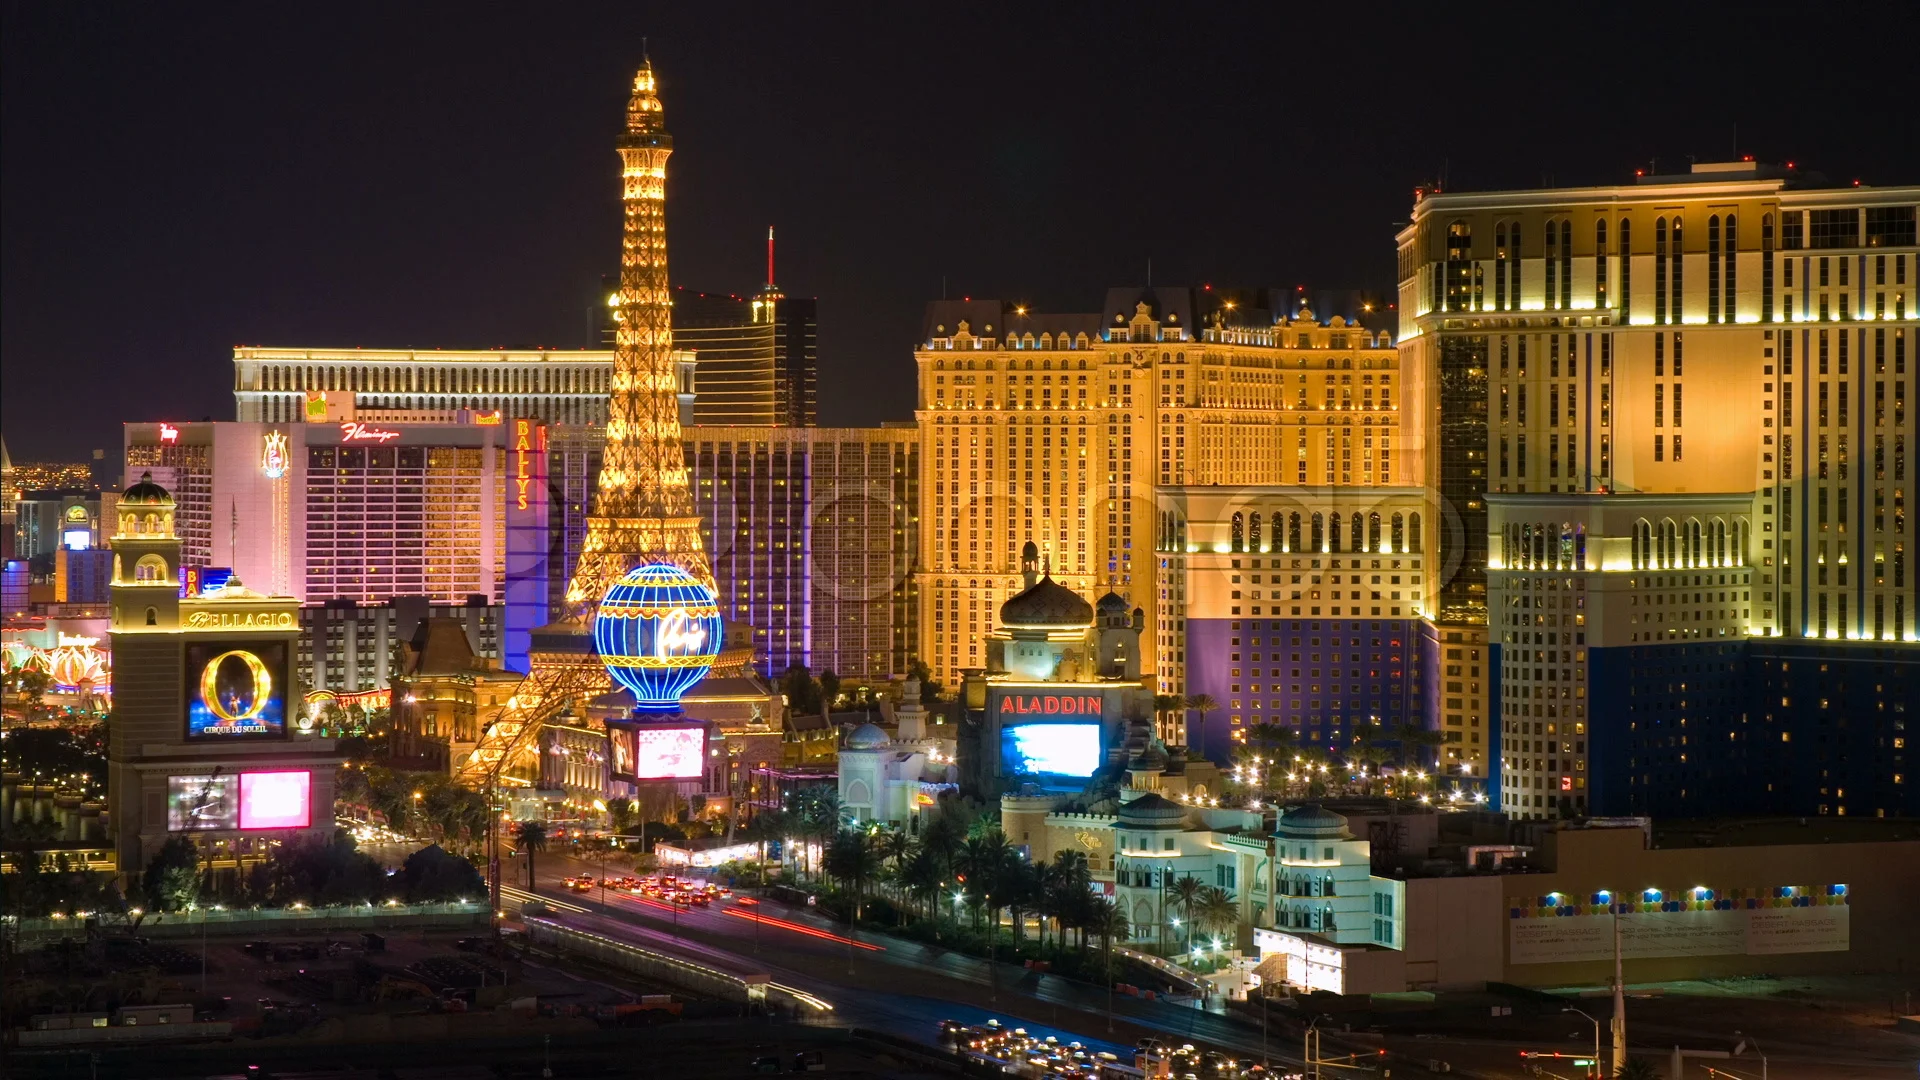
[769, 256]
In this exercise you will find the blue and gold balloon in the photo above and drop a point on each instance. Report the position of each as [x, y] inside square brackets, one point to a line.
[657, 632]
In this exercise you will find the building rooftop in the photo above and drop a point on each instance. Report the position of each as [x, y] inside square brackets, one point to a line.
[1758, 832]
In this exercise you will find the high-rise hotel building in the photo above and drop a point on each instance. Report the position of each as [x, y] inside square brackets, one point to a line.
[1066, 430]
[812, 534]
[1671, 417]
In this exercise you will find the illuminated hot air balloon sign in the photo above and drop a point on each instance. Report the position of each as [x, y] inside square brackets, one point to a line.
[657, 632]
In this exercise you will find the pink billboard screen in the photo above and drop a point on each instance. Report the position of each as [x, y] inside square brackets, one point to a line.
[276, 800]
[670, 753]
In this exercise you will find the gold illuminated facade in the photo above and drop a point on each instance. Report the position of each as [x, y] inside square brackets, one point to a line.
[1688, 396]
[1064, 428]
[1726, 330]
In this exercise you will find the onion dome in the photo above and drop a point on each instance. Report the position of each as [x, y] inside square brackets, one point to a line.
[1111, 605]
[146, 493]
[1047, 604]
[657, 631]
[867, 737]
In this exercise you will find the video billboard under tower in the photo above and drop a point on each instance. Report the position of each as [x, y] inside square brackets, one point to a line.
[205, 742]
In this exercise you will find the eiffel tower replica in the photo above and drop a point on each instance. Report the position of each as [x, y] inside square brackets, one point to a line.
[642, 507]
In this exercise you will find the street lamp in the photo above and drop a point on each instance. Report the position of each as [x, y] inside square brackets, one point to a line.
[1748, 1040]
[1597, 1070]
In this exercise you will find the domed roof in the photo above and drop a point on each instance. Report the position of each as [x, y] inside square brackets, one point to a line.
[1047, 603]
[146, 493]
[1314, 820]
[1112, 604]
[867, 737]
[1152, 809]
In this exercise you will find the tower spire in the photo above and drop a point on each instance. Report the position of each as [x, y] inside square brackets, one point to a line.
[642, 508]
[769, 257]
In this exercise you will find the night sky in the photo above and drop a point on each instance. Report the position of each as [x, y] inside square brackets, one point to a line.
[179, 178]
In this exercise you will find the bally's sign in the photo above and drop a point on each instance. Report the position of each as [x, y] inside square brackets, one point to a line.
[241, 620]
[1051, 705]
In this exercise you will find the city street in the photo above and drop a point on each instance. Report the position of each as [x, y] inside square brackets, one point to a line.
[901, 987]
[907, 987]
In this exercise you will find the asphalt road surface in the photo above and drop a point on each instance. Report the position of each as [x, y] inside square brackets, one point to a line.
[898, 986]
[907, 988]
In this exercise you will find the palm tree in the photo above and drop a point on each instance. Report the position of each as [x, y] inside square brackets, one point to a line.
[1186, 892]
[531, 836]
[1107, 921]
[1022, 890]
[766, 827]
[851, 859]
[921, 878]
[983, 860]
[1217, 912]
[942, 838]
[1067, 879]
[893, 846]
[1637, 1069]
[621, 816]
[1202, 704]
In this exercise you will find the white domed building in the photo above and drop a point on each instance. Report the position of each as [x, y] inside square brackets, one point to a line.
[892, 779]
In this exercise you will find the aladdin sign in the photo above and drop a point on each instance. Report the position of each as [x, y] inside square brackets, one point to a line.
[1052, 705]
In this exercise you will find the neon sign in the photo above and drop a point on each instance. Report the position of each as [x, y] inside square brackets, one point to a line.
[273, 455]
[488, 419]
[357, 432]
[679, 634]
[1052, 705]
[169, 433]
[528, 439]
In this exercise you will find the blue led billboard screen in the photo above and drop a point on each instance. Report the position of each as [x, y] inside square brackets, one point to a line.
[1067, 750]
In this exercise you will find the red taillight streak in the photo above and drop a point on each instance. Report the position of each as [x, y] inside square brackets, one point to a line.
[798, 928]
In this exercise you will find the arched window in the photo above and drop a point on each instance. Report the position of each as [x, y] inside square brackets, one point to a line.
[1600, 263]
[1696, 543]
[1626, 269]
[1253, 533]
[1399, 533]
[1564, 557]
[1373, 531]
[1642, 544]
[1319, 533]
[1669, 544]
[1713, 268]
[150, 568]
[1359, 541]
[1729, 282]
[153, 617]
[1293, 532]
[1660, 270]
[1414, 540]
[1333, 533]
[1239, 532]
[1566, 262]
[1580, 546]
